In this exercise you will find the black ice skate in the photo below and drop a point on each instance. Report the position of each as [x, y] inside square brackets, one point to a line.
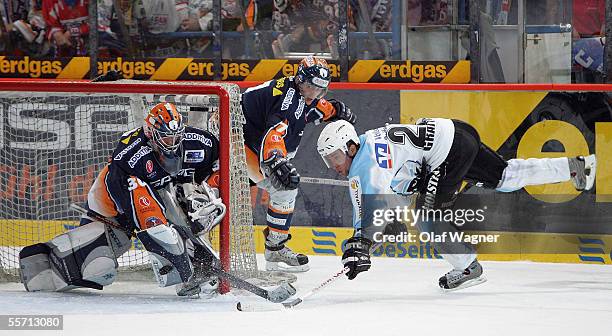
[582, 171]
[279, 257]
[202, 282]
[204, 289]
[456, 279]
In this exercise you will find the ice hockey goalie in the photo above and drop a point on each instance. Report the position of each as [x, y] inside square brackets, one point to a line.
[159, 186]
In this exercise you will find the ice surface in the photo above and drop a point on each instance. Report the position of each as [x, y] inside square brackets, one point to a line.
[396, 297]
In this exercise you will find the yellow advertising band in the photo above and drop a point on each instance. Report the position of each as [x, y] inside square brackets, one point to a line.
[236, 70]
[511, 246]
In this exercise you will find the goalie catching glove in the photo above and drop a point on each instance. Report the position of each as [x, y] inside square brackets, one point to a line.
[356, 256]
[203, 207]
[281, 173]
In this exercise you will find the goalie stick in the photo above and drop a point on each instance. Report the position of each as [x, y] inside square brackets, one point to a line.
[276, 295]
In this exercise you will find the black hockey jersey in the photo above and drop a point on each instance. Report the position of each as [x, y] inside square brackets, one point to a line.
[276, 114]
[126, 186]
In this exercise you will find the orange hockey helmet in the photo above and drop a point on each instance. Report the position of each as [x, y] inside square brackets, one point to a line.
[165, 128]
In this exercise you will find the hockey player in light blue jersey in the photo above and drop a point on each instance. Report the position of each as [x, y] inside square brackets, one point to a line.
[430, 160]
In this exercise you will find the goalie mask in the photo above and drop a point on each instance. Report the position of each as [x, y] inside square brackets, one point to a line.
[165, 128]
[313, 77]
[333, 142]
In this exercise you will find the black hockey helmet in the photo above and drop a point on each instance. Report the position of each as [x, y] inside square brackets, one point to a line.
[314, 73]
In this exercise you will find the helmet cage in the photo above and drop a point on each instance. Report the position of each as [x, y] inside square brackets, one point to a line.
[166, 139]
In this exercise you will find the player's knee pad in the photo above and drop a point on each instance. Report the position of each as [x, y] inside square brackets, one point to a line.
[82, 257]
[280, 209]
[283, 200]
[168, 254]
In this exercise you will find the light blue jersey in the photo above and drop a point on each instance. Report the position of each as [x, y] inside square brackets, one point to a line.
[390, 157]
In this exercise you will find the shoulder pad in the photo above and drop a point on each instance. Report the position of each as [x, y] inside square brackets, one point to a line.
[130, 141]
[130, 135]
[278, 86]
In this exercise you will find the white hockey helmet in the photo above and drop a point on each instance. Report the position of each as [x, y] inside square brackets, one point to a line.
[335, 137]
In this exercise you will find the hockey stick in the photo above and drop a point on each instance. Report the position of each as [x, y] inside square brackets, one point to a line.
[287, 305]
[311, 292]
[246, 307]
[318, 180]
[276, 295]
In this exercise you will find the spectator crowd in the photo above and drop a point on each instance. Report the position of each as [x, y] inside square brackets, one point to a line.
[257, 29]
[152, 28]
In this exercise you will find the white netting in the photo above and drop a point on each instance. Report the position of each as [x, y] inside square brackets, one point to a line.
[53, 144]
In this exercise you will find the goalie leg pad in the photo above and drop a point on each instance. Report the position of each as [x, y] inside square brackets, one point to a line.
[83, 257]
[35, 269]
[168, 254]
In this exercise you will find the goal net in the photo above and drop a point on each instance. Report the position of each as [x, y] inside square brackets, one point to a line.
[57, 136]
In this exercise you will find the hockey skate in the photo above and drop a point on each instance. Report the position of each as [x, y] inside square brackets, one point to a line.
[457, 279]
[582, 171]
[205, 288]
[202, 282]
[279, 257]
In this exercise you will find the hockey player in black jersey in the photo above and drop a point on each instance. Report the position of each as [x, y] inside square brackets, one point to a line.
[154, 168]
[276, 114]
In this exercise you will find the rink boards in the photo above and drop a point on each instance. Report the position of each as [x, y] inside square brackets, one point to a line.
[510, 246]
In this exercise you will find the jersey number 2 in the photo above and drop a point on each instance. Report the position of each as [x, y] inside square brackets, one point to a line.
[400, 134]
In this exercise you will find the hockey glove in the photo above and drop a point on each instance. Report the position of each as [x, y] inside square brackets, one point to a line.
[356, 256]
[281, 173]
[342, 112]
[201, 204]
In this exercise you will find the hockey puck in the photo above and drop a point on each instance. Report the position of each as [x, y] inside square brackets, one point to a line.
[239, 306]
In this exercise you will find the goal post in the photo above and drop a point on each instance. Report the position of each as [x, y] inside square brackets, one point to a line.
[44, 122]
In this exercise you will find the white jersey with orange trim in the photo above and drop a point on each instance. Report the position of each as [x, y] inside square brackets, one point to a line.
[392, 157]
[126, 188]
